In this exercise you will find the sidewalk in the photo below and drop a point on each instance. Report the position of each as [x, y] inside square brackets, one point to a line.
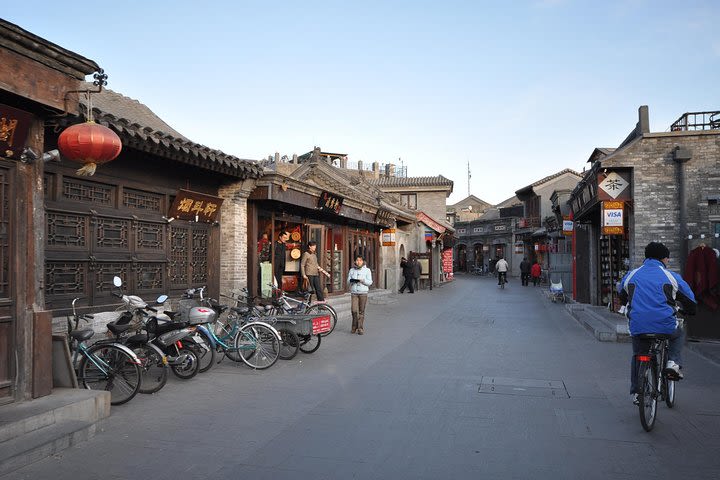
[607, 326]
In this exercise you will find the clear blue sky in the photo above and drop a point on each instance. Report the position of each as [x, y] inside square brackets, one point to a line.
[519, 89]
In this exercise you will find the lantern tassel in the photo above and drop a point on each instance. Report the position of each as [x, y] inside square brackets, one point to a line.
[87, 170]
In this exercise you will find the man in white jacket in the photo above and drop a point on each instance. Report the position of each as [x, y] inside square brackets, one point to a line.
[359, 278]
[501, 267]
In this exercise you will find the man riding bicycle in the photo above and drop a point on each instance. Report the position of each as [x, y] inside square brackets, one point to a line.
[502, 268]
[651, 294]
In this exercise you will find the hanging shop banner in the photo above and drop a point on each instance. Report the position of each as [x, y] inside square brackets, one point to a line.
[330, 203]
[613, 218]
[195, 206]
[613, 185]
[387, 237]
[568, 227]
[14, 126]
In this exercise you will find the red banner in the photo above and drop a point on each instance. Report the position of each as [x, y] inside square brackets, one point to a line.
[321, 324]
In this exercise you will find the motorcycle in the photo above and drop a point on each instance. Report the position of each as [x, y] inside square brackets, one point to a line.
[170, 337]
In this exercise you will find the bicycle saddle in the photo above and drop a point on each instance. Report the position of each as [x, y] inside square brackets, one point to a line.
[118, 329]
[653, 336]
[82, 335]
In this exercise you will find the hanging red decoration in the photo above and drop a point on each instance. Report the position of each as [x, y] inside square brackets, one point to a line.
[90, 144]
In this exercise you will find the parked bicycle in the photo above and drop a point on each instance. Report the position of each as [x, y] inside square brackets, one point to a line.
[285, 304]
[108, 366]
[655, 383]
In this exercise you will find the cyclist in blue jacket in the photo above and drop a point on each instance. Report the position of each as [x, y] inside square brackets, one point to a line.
[651, 294]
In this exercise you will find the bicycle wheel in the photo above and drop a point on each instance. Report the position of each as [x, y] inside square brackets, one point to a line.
[189, 367]
[289, 343]
[257, 345]
[647, 396]
[153, 368]
[110, 368]
[321, 309]
[669, 391]
[309, 343]
[204, 350]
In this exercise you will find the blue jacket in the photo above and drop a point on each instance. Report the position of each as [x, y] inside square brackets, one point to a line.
[364, 275]
[650, 292]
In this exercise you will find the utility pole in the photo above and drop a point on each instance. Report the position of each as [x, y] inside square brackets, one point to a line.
[469, 177]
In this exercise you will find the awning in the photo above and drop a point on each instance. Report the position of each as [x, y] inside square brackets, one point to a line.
[433, 224]
[542, 231]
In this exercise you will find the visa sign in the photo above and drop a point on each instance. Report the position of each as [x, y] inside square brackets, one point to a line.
[612, 218]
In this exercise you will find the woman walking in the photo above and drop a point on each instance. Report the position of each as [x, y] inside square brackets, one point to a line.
[310, 270]
[359, 278]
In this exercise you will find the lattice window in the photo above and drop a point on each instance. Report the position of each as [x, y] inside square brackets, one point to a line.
[150, 236]
[142, 200]
[66, 230]
[104, 273]
[65, 278]
[112, 233]
[179, 248]
[149, 276]
[199, 256]
[82, 191]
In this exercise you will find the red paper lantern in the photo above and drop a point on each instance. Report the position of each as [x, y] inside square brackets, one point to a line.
[90, 144]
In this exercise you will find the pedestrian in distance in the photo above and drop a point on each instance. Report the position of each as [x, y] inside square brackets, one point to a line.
[651, 293]
[525, 272]
[359, 278]
[279, 257]
[536, 271]
[417, 271]
[311, 270]
[408, 273]
[502, 268]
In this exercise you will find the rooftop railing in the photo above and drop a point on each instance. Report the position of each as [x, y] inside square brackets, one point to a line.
[697, 121]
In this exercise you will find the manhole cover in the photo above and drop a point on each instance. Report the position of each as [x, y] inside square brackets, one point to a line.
[523, 387]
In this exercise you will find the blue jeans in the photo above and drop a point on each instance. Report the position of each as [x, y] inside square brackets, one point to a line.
[641, 346]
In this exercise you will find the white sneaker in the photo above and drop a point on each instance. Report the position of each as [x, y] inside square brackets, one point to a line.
[672, 369]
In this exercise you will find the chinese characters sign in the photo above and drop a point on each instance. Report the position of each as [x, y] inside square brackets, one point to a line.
[194, 206]
[612, 218]
[388, 237]
[14, 126]
[330, 203]
[613, 186]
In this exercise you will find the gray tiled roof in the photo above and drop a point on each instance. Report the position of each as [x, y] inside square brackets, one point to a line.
[438, 181]
[555, 175]
[140, 128]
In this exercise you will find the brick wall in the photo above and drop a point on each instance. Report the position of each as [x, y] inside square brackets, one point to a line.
[433, 204]
[656, 214]
[233, 235]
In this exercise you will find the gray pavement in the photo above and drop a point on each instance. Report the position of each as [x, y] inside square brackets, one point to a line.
[464, 381]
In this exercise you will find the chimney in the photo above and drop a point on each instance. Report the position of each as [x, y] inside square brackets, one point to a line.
[387, 170]
[294, 158]
[277, 157]
[360, 165]
[644, 119]
[343, 162]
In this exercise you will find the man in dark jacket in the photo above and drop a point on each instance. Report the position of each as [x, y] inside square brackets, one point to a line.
[417, 271]
[407, 271]
[525, 271]
[279, 257]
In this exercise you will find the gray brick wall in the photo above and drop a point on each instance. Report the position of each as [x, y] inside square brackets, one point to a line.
[433, 204]
[233, 235]
[656, 212]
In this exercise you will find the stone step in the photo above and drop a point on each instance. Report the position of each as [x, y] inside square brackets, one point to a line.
[32, 430]
[595, 323]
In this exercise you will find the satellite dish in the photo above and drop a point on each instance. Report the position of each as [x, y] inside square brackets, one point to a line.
[470, 207]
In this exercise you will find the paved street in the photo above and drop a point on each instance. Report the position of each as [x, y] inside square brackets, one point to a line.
[465, 381]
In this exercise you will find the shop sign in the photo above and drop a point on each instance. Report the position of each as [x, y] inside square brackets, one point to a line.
[519, 247]
[612, 218]
[387, 237]
[613, 186]
[383, 217]
[567, 227]
[447, 261]
[14, 127]
[330, 203]
[194, 206]
[486, 248]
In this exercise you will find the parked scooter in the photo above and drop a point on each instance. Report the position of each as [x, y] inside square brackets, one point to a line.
[168, 337]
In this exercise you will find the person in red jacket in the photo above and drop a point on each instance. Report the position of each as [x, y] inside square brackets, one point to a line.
[535, 272]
